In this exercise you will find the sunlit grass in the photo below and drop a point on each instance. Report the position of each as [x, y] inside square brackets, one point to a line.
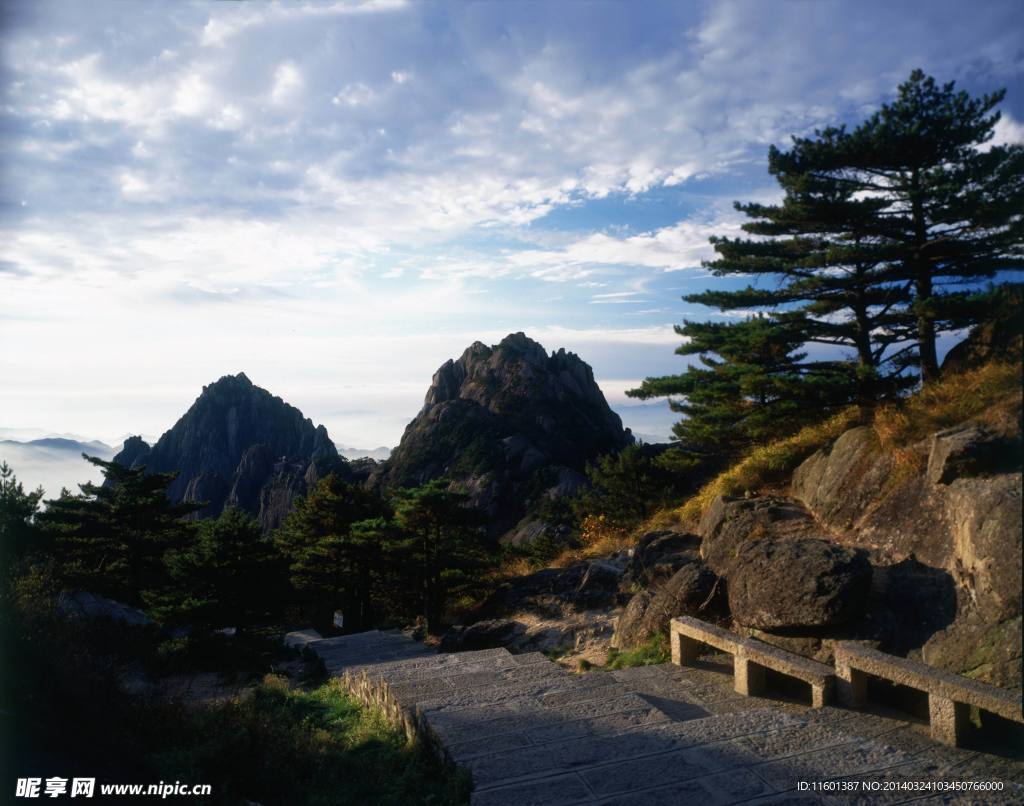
[648, 654]
[769, 463]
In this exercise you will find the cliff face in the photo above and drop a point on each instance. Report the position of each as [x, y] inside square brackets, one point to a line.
[959, 518]
[513, 424]
[240, 445]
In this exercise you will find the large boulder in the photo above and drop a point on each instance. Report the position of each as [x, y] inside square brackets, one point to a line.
[797, 584]
[729, 523]
[984, 516]
[689, 591]
[555, 592]
[979, 648]
[90, 606]
[840, 482]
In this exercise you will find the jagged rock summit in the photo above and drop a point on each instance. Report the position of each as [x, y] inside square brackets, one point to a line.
[238, 444]
[514, 425]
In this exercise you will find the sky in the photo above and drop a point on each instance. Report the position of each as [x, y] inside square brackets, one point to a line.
[337, 197]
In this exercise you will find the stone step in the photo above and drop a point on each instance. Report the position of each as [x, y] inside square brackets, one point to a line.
[531, 732]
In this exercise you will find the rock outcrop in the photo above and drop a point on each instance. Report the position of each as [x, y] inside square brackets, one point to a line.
[665, 578]
[957, 518]
[511, 424]
[239, 445]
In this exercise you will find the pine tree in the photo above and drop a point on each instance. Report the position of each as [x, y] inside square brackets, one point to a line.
[627, 487]
[753, 385]
[19, 535]
[230, 576]
[328, 562]
[112, 538]
[939, 211]
[445, 544]
[830, 281]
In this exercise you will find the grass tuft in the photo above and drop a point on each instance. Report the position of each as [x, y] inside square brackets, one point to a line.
[653, 652]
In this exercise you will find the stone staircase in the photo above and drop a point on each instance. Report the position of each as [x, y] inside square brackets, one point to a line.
[533, 734]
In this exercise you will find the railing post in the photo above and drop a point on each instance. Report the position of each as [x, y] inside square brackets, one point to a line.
[685, 650]
[852, 685]
[949, 720]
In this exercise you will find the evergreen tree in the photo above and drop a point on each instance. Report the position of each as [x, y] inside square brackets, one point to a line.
[752, 386]
[112, 538]
[937, 210]
[444, 548]
[831, 281]
[19, 535]
[230, 576]
[629, 486]
[329, 563]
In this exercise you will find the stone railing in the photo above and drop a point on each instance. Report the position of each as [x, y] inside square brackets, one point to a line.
[950, 696]
[750, 659]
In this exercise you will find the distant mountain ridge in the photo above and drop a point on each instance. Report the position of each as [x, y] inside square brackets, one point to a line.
[512, 424]
[239, 445]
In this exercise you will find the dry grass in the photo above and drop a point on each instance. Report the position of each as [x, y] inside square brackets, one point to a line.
[948, 402]
[598, 538]
[968, 395]
[768, 463]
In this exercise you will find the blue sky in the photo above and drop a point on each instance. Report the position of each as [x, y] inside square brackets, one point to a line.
[337, 197]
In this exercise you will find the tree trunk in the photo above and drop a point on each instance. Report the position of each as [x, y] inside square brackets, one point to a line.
[927, 355]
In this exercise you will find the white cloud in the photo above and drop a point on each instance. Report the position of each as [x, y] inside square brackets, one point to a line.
[288, 83]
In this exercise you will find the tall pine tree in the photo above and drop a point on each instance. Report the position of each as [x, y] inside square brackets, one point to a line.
[444, 548]
[329, 562]
[943, 212]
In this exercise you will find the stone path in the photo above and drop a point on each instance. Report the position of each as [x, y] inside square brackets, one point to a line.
[532, 733]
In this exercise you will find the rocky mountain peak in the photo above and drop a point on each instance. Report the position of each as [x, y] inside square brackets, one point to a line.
[239, 444]
[509, 421]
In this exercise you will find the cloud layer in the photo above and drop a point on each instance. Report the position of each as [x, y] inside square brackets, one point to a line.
[293, 189]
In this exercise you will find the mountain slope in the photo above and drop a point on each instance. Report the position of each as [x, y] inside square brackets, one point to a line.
[513, 424]
[238, 444]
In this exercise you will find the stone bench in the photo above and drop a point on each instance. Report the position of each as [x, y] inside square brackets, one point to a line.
[950, 696]
[756, 656]
[688, 635]
[750, 659]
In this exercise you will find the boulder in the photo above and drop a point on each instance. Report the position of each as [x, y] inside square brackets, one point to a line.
[482, 635]
[841, 482]
[969, 450]
[82, 604]
[980, 649]
[554, 592]
[657, 556]
[985, 519]
[687, 592]
[731, 522]
[797, 584]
